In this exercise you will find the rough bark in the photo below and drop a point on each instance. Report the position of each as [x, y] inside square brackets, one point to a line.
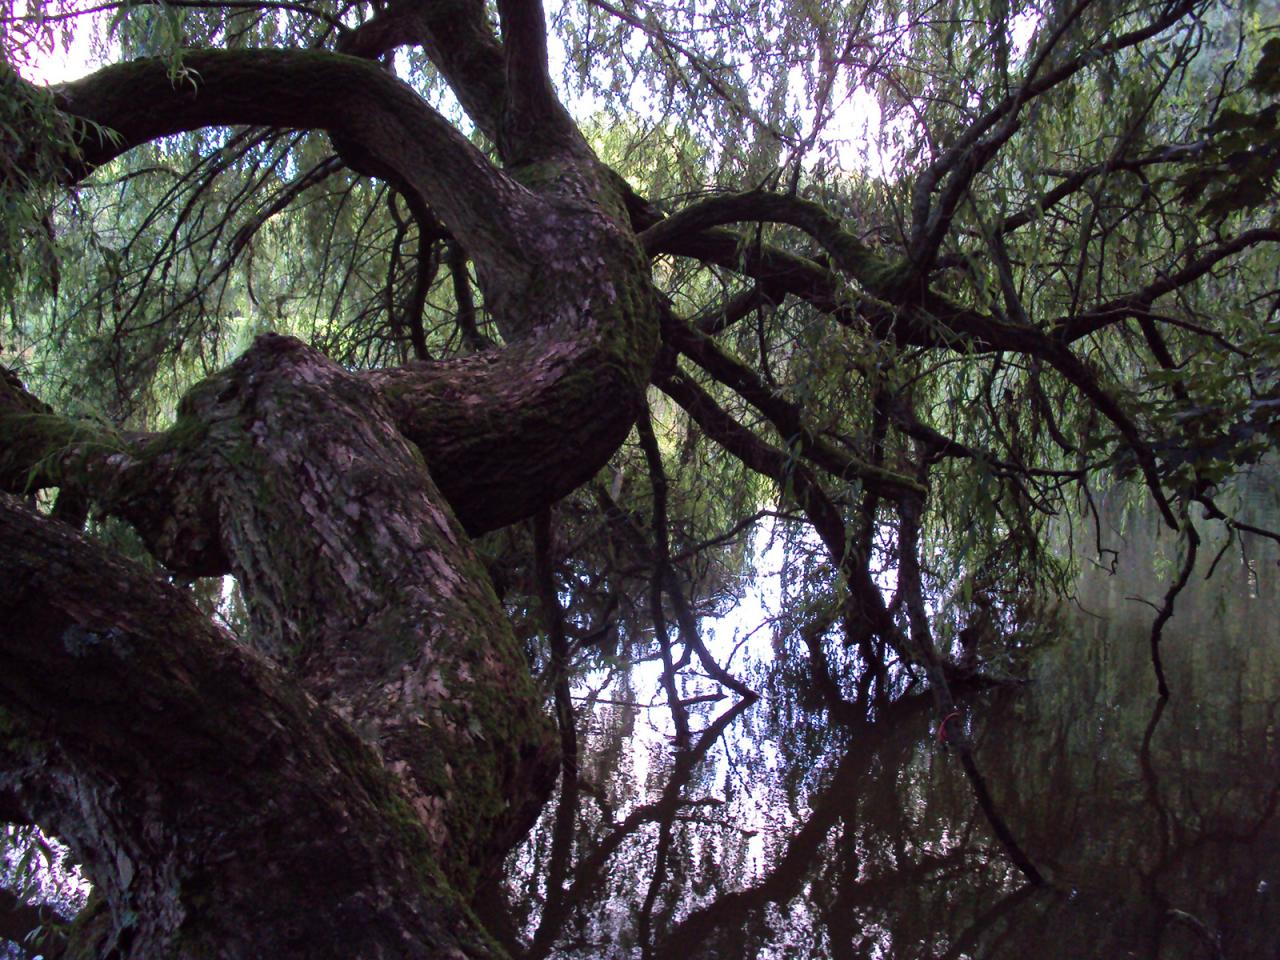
[361, 582]
[220, 810]
[377, 775]
[560, 267]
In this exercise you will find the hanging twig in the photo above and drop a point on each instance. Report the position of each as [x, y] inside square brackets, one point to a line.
[1166, 608]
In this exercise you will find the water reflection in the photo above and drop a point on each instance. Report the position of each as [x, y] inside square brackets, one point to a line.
[1155, 824]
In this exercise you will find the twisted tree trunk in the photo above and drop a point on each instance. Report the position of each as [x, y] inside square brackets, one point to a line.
[340, 781]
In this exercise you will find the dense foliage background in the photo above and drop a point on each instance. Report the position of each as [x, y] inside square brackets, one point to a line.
[935, 278]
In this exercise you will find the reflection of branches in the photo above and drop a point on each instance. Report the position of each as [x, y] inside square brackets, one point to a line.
[660, 553]
[644, 922]
[1151, 785]
[587, 874]
[867, 613]
[838, 707]
[664, 580]
[785, 879]
[911, 586]
[838, 799]
[964, 944]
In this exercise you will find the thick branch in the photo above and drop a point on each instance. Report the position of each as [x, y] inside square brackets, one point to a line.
[352, 99]
[457, 37]
[924, 317]
[849, 253]
[532, 116]
[117, 693]
[560, 272]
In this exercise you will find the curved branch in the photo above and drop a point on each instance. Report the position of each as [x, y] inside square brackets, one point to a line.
[1070, 329]
[472, 338]
[352, 99]
[849, 253]
[786, 272]
[941, 323]
[1074, 370]
[563, 278]
[1165, 612]
[1071, 183]
[929, 319]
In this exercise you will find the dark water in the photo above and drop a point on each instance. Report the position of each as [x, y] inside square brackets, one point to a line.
[1154, 823]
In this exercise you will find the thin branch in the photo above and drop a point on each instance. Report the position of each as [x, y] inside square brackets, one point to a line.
[41, 18]
[705, 71]
[1178, 153]
[658, 575]
[786, 416]
[981, 141]
[1166, 608]
[1070, 329]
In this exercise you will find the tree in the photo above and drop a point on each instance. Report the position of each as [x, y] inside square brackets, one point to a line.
[942, 356]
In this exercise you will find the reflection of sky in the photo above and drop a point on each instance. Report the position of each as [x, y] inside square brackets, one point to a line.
[739, 639]
[1144, 822]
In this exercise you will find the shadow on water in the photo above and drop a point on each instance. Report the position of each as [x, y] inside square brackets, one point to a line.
[1154, 822]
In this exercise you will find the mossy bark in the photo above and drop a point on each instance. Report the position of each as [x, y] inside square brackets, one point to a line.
[219, 809]
[363, 585]
[396, 747]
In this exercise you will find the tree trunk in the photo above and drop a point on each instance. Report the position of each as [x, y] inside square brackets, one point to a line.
[220, 810]
[236, 809]
[343, 779]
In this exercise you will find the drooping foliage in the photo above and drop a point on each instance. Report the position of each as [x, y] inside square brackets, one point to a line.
[931, 277]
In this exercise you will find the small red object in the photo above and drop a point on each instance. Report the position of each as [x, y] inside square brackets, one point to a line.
[942, 727]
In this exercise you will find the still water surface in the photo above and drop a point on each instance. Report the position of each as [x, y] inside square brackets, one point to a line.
[1155, 823]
